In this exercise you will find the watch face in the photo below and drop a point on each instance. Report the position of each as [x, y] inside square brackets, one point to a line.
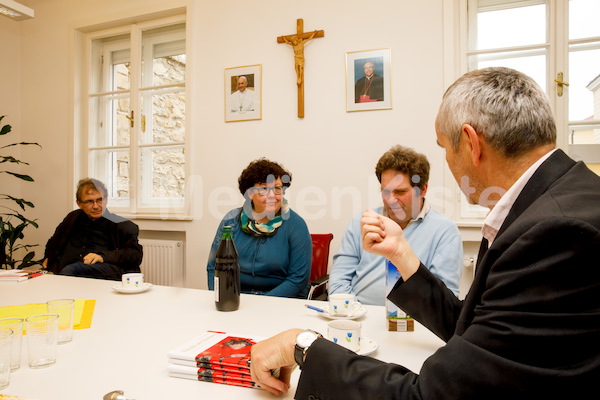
[305, 338]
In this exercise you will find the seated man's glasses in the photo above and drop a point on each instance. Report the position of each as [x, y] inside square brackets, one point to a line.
[263, 191]
[91, 202]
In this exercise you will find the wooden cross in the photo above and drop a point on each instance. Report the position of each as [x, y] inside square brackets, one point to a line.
[297, 42]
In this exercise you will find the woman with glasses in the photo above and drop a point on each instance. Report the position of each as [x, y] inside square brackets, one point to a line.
[273, 242]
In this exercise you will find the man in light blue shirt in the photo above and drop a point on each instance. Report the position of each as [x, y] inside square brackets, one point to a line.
[435, 239]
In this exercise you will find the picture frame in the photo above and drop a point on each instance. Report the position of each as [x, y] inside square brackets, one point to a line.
[246, 104]
[364, 94]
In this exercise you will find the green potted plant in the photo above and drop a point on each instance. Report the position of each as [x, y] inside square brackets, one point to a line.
[12, 221]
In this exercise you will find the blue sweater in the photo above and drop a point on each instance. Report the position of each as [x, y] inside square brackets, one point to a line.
[434, 239]
[277, 265]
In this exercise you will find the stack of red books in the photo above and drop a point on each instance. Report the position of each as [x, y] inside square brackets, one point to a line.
[19, 275]
[214, 357]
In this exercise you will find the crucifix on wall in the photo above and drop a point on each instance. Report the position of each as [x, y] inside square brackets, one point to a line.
[297, 42]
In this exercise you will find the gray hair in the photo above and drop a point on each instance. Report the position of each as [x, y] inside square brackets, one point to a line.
[86, 184]
[506, 106]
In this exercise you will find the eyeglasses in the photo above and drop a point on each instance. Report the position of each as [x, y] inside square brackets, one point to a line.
[92, 202]
[263, 191]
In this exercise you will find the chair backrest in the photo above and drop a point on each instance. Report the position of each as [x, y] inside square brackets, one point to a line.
[320, 255]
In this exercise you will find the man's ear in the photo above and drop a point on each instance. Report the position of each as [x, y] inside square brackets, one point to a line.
[473, 142]
[424, 190]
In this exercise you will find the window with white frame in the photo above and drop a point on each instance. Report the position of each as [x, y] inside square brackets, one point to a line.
[557, 43]
[136, 108]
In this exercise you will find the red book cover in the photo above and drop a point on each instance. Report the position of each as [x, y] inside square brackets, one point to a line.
[232, 352]
[227, 381]
[208, 372]
[186, 372]
[224, 368]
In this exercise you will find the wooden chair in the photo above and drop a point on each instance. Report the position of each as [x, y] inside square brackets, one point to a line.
[318, 271]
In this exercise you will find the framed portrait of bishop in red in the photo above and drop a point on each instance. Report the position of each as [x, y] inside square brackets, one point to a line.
[368, 80]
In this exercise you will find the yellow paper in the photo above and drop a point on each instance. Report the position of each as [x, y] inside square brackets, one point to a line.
[82, 317]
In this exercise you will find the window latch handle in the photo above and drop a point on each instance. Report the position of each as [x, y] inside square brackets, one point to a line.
[560, 84]
[130, 118]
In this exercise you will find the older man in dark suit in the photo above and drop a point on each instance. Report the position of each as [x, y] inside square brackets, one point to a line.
[530, 326]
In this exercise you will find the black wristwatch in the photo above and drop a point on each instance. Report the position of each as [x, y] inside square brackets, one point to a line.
[303, 341]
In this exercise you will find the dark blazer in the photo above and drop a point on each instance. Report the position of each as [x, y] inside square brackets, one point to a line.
[529, 327]
[126, 253]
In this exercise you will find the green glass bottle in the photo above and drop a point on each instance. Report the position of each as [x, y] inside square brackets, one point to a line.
[227, 274]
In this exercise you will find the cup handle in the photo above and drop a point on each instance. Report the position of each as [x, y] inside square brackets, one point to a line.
[357, 306]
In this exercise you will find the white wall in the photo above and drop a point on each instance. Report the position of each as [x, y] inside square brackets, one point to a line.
[10, 95]
[327, 151]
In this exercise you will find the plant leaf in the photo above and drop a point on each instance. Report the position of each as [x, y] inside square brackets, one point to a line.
[20, 176]
[21, 202]
[21, 144]
[11, 159]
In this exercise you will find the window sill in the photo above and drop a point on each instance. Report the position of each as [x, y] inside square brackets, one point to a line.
[157, 217]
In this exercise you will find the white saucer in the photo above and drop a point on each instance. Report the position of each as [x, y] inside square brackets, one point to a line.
[121, 289]
[367, 346]
[361, 311]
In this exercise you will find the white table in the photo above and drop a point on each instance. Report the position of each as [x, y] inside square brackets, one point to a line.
[126, 346]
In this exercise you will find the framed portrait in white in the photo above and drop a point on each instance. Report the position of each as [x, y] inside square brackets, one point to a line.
[243, 94]
[368, 80]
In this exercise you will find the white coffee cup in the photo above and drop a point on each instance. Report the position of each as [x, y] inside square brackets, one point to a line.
[345, 332]
[132, 280]
[343, 305]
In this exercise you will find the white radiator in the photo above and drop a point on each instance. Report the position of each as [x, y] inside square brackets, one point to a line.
[162, 263]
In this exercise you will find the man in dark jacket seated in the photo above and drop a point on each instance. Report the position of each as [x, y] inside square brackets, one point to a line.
[92, 242]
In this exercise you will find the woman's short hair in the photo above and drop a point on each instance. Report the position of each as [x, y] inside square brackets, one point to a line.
[86, 184]
[406, 161]
[262, 171]
[506, 106]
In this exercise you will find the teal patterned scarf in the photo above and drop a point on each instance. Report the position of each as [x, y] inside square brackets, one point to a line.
[252, 227]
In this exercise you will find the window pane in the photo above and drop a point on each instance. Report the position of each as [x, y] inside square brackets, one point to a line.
[584, 134]
[532, 65]
[163, 174]
[164, 57]
[120, 76]
[112, 168]
[584, 82]
[508, 27]
[110, 64]
[166, 109]
[169, 69]
[109, 125]
[583, 18]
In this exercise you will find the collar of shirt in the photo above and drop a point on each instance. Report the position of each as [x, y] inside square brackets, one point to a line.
[424, 210]
[496, 217]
